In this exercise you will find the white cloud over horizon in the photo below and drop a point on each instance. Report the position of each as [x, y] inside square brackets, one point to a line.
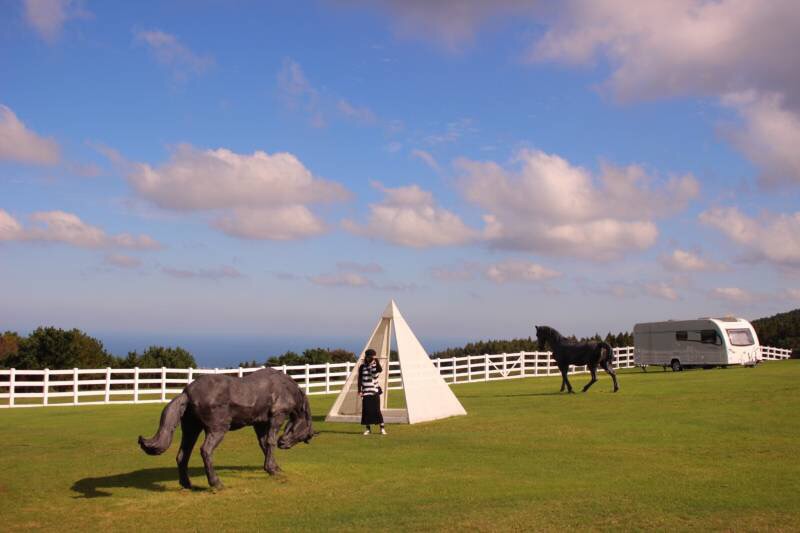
[409, 216]
[688, 261]
[47, 17]
[551, 206]
[171, 53]
[20, 144]
[68, 228]
[519, 271]
[774, 238]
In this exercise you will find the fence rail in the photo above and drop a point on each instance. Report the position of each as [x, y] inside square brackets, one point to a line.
[36, 388]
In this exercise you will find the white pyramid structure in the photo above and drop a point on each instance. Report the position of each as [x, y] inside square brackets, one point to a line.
[428, 397]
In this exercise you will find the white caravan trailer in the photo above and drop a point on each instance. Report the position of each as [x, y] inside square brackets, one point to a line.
[703, 342]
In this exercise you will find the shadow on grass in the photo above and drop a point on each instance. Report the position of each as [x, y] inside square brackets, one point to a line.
[146, 479]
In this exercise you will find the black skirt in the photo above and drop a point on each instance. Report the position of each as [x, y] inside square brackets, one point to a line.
[371, 410]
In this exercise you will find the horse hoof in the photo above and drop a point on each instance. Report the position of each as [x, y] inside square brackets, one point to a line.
[187, 486]
[217, 487]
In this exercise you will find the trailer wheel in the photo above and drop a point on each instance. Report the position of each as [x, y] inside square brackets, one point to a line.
[676, 365]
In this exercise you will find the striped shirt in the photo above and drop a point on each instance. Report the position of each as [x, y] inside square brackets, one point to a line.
[368, 374]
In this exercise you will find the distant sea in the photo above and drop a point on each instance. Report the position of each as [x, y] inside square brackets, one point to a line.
[229, 351]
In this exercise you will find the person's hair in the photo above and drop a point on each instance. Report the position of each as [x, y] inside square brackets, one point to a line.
[370, 353]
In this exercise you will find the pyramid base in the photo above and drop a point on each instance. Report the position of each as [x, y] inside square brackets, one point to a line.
[390, 416]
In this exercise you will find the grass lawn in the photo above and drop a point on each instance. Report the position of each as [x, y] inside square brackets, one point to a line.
[697, 450]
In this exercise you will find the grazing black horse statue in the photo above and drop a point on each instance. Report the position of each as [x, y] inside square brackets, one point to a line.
[216, 403]
[591, 354]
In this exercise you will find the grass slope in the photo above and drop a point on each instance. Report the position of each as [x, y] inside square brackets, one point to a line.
[694, 450]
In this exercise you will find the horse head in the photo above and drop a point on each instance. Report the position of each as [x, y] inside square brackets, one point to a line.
[546, 335]
[299, 427]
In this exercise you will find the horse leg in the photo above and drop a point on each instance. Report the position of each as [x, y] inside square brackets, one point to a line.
[610, 370]
[190, 430]
[268, 438]
[564, 370]
[593, 370]
[211, 441]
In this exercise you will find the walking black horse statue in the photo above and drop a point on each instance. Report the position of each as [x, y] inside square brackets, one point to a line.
[591, 354]
[216, 403]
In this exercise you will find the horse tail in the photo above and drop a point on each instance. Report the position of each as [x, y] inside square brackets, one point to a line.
[610, 350]
[170, 417]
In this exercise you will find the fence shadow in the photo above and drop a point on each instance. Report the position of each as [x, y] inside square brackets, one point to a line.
[146, 479]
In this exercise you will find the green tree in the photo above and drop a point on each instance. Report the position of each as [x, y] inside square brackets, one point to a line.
[49, 347]
[9, 346]
[158, 356]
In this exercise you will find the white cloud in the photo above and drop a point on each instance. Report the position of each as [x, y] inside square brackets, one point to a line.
[298, 93]
[772, 238]
[792, 294]
[67, 228]
[341, 279]
[667, 48]
[359, 114]
[519, 271]
[196, 179]
[677, 47]
[686, 261]
[551, 206]
[451, 24]
[47, 17]
[18, 143]
[409, 216]
[173, 54]
[253, 196]
[770, 136]
[363, 268]
[453, 131]
[10, 229]
[216, 274]
[282, 223]
[122, 261]
[660, 290]
[463, 272]
[731, 294]
[427, 158]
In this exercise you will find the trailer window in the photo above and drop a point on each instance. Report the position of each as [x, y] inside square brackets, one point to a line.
[740, 337]
[708, 336]
[681, 336]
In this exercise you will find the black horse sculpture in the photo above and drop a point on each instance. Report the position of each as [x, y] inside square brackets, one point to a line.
[591, 354]
[216, 403]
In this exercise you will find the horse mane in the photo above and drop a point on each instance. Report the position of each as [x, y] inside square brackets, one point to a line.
[553, 333]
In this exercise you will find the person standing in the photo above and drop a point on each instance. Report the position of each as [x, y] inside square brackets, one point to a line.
[370, 391]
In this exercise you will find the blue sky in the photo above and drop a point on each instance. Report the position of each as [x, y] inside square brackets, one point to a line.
[180, 170]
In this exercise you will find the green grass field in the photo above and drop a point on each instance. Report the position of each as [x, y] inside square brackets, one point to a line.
[698, 450]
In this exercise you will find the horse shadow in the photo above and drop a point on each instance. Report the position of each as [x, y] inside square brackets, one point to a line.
[151, 479]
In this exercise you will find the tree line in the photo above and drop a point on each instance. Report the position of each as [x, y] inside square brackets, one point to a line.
[780, 331]
[55, 348]
[526, 344]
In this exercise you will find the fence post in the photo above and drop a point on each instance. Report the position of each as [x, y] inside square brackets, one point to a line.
[522, 364]
[107, 397]
[505, 366]
[75, 386]
[163, 384]
[136, 384]
[453, 366]
[308, 380]
[46, 386]
[328, 377]
[189, 375]
[241, 372]
[11, 386]
[469, 369]
[486, 367]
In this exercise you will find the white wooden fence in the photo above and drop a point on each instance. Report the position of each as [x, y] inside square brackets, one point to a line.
[36, 388]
